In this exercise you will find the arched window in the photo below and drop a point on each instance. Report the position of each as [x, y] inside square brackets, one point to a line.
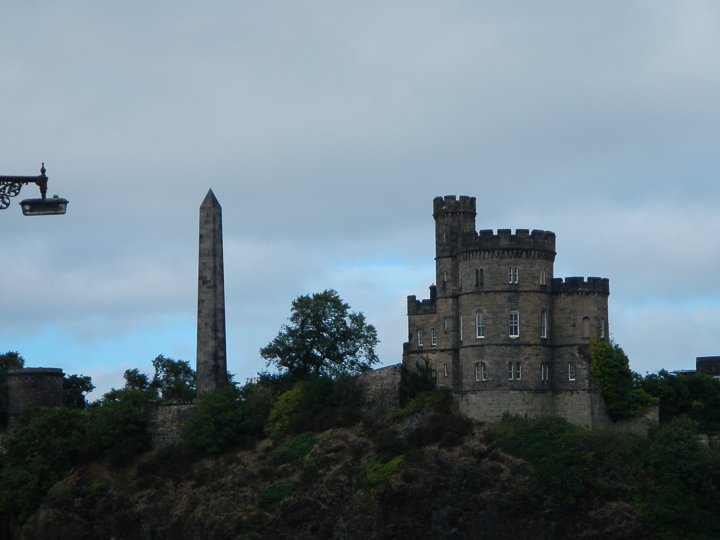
[479, 324]
[543, 325]
[543, 277]
[586, 327]
[514, 324]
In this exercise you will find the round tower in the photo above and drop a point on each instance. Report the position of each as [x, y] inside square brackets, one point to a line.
[41, 387]
[505, 308]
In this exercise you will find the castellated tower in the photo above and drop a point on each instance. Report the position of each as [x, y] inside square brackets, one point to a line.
[211, 361]
[499, 329]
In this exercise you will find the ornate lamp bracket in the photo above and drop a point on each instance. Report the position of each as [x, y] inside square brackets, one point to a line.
[10, 186]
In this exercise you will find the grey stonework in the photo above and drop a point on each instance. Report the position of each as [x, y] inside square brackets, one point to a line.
[494, 274]
[166, 422]
[211, 348]
[381, 386]
[40, 386]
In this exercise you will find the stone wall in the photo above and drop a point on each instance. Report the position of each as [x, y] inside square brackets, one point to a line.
[166, 423]
[42, 387]
[382, 386]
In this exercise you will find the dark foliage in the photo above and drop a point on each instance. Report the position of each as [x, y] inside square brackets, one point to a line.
[227, 417]
[695, 395]
[323, 338]
[74, 389]
[175, 380]
[415, 382]
[389, 444]
[446, 429]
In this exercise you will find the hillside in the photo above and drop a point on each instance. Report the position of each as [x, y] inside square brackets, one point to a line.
[442, 478]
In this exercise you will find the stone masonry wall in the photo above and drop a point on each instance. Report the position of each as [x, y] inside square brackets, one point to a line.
[166, 423]
[42, 387]
[382, 386]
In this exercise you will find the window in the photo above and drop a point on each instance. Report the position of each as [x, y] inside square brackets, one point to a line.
[514, 371]
[544, 372]
[518, 371]
[480, 372]
[510, 371]
[445, 324]
[461, 327]
[514, 324]
[478, 277]
[586, 327]
[479, 325]
[571, 371]
[512, 275]
[420, 338]
[543, 324]
[445, 369]
[602, 328]
[433, 337]
[543, 277]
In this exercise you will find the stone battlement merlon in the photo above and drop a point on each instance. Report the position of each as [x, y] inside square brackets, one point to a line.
[423, 307]
[450, 204]
[523, 239]
[579, 285]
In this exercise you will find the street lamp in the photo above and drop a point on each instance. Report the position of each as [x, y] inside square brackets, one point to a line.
[10, 186]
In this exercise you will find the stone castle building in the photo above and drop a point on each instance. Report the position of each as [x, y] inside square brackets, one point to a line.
[500, 329]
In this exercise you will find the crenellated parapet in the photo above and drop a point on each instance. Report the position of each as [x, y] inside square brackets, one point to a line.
[451, 204]
[578, 285]
[504, 241]
[423, 307]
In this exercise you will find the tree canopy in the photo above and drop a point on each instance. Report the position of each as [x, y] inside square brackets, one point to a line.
[323, 338]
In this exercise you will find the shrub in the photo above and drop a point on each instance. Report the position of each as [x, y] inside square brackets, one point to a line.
[285, 411]
[618, 385]
[294, 449]
[415, 382]
[446, 429]
[376, 472]
[279, 491]
[225, 417]
[389, 444]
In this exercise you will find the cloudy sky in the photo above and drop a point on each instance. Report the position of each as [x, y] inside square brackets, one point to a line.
[325, 129]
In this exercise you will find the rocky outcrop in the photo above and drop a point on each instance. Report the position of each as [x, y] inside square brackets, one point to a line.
[470, 490]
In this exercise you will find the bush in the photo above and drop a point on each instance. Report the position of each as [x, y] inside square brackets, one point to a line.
[285, 411]
[279, 491]
[294, 449]
[415, 382]
[618, 385]
[389, 444]
[446, 429]
[376, 472]
[224, 418]
[695, 395]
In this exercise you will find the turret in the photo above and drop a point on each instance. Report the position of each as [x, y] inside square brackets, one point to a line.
[453, 217]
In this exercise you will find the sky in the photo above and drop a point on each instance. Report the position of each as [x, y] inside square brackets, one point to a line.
[325, 129]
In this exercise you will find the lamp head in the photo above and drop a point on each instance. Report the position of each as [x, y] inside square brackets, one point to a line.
[44, 207]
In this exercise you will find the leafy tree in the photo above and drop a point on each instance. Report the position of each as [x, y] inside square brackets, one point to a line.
[74, 389]
[136, 384]
[9, 360]
[618, 385]
[323, 337]
[175, 379]
[694, 394]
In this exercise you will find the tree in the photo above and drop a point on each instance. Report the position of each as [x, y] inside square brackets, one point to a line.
[175, 379]
[9, 360]
[616, 382]
[74, 389]
[323, 338]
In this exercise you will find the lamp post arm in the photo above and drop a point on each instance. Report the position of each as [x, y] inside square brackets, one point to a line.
[10, 186]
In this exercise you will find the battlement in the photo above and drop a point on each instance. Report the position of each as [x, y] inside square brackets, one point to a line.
[423, 307]
[578, 284]
[523, 239]
[450, 204]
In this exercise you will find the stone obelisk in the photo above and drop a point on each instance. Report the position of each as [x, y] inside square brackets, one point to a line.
[211, 353]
